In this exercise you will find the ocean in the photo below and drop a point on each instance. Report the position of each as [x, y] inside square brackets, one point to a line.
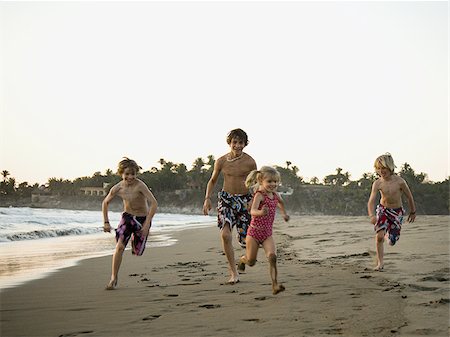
[35, 241]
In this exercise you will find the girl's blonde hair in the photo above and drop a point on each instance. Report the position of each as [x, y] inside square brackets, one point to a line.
[385, 161]
[255, 177]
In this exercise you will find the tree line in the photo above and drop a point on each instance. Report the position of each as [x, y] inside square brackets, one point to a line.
[175, 184]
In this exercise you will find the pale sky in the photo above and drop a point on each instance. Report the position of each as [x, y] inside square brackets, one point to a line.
[320, 84]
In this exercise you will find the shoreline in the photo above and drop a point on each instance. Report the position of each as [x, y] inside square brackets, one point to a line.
[179, 291]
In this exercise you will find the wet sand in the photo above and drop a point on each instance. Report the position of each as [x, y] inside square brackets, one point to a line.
[325, 264]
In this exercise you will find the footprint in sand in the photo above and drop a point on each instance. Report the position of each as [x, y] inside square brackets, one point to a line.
[75, 334]
[251, 320]
[151, 317]
[210, 306]
[261, 298]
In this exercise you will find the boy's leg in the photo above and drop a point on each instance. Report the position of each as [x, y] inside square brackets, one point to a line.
[227, 245]
[269, 248]
[379, 241]
[116, 261]
[251, 252]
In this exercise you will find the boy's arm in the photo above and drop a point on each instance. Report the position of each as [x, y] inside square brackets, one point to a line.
[371, 202]
[282, 208]
[210, 186]
[105, 204]
[152, 209]
[412, 206]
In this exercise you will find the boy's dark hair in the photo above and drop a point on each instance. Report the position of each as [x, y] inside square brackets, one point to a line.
[237, 133]
[127, 163]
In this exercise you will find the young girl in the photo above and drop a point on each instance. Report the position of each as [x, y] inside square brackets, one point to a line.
[264, 182]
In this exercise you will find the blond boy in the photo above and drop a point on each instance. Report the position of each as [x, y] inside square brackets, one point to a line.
[387, 217]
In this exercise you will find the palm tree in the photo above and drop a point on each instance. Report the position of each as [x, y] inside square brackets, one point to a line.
[314, 180]
[5, 174]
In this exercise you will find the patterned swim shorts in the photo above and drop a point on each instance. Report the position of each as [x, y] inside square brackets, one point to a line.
[129, 227]
[232, 209]
[390, 220]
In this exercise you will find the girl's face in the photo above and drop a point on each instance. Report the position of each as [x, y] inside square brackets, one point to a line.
[129, 175]
[269, 184]
[236, 146]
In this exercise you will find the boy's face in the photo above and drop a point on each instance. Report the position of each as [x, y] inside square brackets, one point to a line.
[129, 175]
[384, 172]
[237, 145]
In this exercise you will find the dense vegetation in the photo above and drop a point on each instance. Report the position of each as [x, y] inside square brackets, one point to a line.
[174, 185]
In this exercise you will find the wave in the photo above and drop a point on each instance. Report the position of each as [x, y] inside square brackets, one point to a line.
[48, 233]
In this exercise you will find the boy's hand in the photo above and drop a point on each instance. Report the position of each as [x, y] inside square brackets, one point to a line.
[145, 230]
[286, 217]
[412, 217]
[373, 219]
[106, 227]
[206, 206]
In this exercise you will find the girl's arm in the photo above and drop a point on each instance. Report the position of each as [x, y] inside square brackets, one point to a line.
[254, 211]
[282, 208]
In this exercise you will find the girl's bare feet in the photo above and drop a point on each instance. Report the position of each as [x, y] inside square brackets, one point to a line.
[241, 265]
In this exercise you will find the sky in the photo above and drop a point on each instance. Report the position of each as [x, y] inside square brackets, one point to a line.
[320, 84]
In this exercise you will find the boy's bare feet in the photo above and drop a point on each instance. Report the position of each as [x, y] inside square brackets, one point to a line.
[111, 285]
[379, 267]
[233, 280]
[277, 289]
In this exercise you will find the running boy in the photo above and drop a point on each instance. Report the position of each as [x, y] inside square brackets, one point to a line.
[234, 198]
[389, 212]
[265, 202]
[139, 207]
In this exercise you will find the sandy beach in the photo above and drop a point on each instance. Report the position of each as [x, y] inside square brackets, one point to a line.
[325, 264]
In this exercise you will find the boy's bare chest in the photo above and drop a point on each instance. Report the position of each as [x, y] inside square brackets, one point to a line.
[129, 194]
[236, 169]
[390, 188]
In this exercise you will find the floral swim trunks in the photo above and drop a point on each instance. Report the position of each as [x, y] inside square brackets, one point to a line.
[390, 220]
[129, 227]
[232, 209]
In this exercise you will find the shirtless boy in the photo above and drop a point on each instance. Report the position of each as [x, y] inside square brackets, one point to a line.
[388, 215]
[234, 197]
[139, 207]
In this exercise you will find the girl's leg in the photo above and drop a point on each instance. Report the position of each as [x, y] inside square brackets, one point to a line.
[251, 252]
[117, 260]
[379, 241]
[270, 250]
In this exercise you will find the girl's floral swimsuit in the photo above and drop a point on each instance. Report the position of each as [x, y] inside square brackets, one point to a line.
[261, 226]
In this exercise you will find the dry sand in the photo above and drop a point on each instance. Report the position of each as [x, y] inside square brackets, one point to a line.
[324, 262]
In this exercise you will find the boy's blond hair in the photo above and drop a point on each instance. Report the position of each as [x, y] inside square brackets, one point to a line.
[385, 161]
[127, 163]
